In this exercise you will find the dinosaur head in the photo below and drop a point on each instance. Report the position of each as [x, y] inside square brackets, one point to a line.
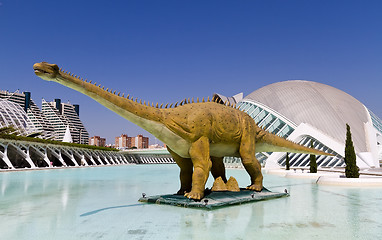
[46, 71]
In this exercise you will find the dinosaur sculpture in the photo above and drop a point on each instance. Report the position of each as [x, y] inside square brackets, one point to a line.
[197, 134]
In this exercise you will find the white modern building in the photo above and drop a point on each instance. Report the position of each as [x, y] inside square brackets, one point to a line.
[49, 123]
[305, 111]
[43, 127]
[12, 115]
[63, 116]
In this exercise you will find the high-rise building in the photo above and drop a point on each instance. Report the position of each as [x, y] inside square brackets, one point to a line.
[124, 141]
[61, 115]
[97, 141]
[40, 121]
[140, 141]
[15, 97]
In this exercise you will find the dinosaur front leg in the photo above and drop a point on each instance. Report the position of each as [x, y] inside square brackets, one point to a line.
[186, 170]
[200, 157]
[218, 168]
[250, 162]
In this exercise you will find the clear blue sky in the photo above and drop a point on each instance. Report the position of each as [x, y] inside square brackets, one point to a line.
[167, 50]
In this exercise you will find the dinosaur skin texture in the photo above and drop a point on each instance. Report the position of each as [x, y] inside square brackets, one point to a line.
[198, 135]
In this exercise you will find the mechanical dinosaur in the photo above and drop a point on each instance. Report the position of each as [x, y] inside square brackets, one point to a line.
[197, 134]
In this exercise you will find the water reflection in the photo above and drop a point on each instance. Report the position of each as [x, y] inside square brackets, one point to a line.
[45, 201]
[354, 204]
[103, 203]
[224, 223]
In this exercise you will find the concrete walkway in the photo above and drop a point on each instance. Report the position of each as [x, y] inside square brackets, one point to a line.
[368, 177]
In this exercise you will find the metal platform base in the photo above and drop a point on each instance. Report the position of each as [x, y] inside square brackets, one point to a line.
[213, 200]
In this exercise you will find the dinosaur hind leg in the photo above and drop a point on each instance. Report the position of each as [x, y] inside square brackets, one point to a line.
[186, 170]
[218, 169]
[250, 162]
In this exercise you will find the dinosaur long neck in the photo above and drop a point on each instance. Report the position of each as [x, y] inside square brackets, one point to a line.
[135, 112]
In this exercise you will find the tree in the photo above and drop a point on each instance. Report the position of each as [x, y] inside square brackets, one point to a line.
[351, 169]
[287, 162]
[313, 162]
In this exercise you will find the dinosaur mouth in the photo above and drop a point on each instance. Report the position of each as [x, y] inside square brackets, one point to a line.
[43, 73]
[40, 71]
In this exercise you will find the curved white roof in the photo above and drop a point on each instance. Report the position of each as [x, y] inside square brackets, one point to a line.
[324, 107]
[11, 114]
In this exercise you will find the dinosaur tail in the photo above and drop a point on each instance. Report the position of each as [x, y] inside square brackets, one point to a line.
[269, 142]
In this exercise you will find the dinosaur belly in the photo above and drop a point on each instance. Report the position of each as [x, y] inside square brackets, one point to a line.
[172, 140]
[224, 150]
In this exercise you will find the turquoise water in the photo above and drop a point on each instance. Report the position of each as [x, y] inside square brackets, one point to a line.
[101, 203]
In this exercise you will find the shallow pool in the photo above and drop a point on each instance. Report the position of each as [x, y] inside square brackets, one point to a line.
[101, 203]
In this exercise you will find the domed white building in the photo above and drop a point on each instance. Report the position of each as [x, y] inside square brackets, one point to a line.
[305, 111]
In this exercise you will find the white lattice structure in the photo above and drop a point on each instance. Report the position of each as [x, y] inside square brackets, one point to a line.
[11, 114]
[23, 154]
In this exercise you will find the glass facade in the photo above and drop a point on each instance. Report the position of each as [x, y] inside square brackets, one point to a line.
[377, 122]
[268, 119]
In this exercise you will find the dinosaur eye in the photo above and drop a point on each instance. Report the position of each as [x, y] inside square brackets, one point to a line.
[55, 67]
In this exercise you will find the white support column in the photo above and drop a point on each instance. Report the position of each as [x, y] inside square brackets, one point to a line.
[5, 158]
[29, 159]
[74, 160]
[83, 160]
[123, 159]
[92, 160]
[62, 159]
[116, 159]
[47, 160]
[24, 155]
[106, 160]
[111, 159]
[99, 160]
[89, 155]
[58, 156]
[71, 157]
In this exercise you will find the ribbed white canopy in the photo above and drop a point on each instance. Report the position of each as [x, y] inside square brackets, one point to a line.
[324, 107]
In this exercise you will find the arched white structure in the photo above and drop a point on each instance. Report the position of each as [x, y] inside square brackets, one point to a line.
[25, 154]
[11, 114]
[303, 111]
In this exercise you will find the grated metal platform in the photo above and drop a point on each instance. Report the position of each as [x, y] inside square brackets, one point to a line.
[213, 200]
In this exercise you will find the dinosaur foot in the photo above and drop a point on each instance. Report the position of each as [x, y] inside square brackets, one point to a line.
[182, 191]
[255, 187]
[194, 195]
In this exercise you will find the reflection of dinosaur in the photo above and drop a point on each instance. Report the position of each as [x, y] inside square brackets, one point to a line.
[198, 135]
